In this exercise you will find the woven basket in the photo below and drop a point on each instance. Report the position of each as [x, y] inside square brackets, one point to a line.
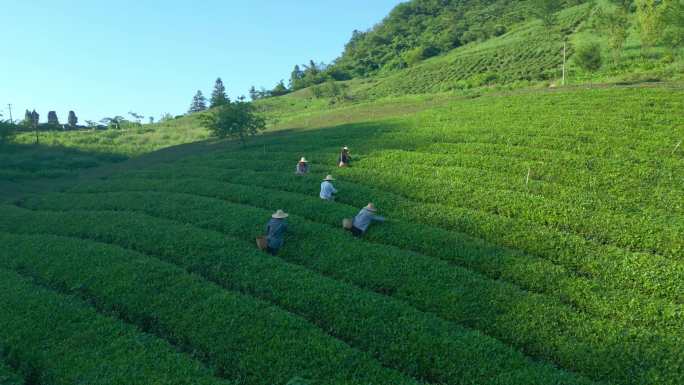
[261, 243]
[347, 223]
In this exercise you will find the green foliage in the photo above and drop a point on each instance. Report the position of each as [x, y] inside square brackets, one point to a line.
[649, 21]
[588, 56]
[615, 23]
[57, 339]
[218, 95]
[545, 10]
[234, 120]
[52, 119]
[548, 260]
[672, 16]
[199, 103]
[72, 119]
[440, 25]
[7, 131]
[279, 89]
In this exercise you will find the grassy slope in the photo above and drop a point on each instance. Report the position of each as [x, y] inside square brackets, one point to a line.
[559, 267]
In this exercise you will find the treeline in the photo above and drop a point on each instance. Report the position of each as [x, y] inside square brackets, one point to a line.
[412, 32]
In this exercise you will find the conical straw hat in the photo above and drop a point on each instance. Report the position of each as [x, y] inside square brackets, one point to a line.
[329, 178]
[280, 214]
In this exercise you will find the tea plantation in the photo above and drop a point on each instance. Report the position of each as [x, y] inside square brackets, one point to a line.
[532, 238]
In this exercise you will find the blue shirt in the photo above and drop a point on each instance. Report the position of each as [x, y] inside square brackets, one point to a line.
[364, 218]
[275, 233]
[327, 190]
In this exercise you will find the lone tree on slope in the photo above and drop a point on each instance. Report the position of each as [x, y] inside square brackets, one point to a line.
[218, 96]
[199, 103]
[73, 119]
[235, 119]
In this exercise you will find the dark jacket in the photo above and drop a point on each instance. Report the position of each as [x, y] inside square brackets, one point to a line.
[344, 157]
[275, 233]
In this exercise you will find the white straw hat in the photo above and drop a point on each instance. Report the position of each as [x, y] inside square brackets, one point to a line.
[371, 207]
[345, 148]
[303, 160]
[280, 214]
[329, 178]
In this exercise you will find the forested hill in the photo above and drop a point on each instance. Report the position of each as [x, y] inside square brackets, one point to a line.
[419, 29]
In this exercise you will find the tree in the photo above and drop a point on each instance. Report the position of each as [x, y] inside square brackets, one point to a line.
[218, 96]
[254, 94]
[35, 119]
[52, 119]
[649, 21]
[28, 119]
[91, 124]
[7, 131]
[199, 103]
[138, 117]
[672, 16]
[235, 119]
[72, 119]
[296, 78]
[615, 24]
[151, 118]
[588, 57]
[280, 89]
[114, 122]
[545, 10]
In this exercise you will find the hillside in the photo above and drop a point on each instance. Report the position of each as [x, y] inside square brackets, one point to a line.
[533, 231]
[547, 250]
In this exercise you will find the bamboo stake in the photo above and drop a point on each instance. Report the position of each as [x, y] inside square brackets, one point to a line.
[527, 180]
[676, 147]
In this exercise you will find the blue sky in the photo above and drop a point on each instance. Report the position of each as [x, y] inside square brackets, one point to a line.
[108, 58]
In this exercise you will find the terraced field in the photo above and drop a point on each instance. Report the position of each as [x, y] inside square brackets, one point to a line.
[532, 239]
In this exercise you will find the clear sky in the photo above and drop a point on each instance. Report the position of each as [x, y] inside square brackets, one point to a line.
[106, 58]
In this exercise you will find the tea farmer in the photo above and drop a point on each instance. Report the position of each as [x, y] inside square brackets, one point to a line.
[345, 157]
[327, 189]
[275, 231]
[302, 167]
[364, 218]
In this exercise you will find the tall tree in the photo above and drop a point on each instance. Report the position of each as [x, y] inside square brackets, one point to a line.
[253, 93]
[647, 12]
[28, 119]
[73, 119]
[672, 16]
[218, 96]
[199, 103]
[52, 118]
[296, 78]
[35, 119]
[588, 57]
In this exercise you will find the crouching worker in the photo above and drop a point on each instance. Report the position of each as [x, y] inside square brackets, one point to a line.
[363, 219]
[275, 232]
[328, 191]
[345, 157]
[302, 167]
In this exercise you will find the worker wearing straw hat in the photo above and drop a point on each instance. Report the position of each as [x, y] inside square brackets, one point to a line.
[364, 218]
[328, 191]
[302, 167]
[275, 231]
[345, 157]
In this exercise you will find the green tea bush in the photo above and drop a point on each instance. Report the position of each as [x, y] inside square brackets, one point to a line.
[595, 348]
[396, 333]
[241, 337]
[57, 339]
